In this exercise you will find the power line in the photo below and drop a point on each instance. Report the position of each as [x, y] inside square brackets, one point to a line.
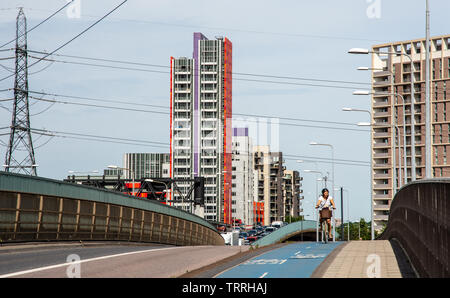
[168, 67]
[99, 106]
[49, 17]
[52, 132]
[72, 39]
[167, 108]
[168, 113]
[237, 30]
[90, 137]
[100, 65]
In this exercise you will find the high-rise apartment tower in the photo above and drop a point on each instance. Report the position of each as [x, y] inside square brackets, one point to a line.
[200, 124]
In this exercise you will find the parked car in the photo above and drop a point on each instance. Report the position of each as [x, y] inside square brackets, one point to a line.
[277, 224]
[259, 230]
[263, 234]
[252, 233]
[252, 238]
[269, 230]
[243, 235]
[221, 229]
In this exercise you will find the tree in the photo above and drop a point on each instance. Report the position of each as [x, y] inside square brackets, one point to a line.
[291, 219]
[359, 229]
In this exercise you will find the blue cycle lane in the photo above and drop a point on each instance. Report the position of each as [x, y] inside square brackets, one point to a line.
[296, 260]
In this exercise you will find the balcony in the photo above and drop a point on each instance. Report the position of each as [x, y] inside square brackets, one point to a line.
[381, 207]
[381, 145]
[381, 155]
[381, 114]
[381, 83]
[381, 176]
[381, 104]
[381, 135]
[381, 217]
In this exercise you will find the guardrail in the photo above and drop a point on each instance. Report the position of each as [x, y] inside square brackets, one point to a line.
[287, 232]
[419, 220]
[41, 209]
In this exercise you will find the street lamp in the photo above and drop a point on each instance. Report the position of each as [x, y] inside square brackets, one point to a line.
[348, 212]
[119, 168]
[413, 145]
[365, 92]
[370, 156]
[334, 178]
[332, 158]
[303, 219]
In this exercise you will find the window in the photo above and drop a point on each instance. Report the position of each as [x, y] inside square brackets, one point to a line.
[435, 91]
[445, 111]
[448, 73]
[435, 155]
[445, 154]
[435, 112]
[445, 89]
[438, 44]
[434, 69]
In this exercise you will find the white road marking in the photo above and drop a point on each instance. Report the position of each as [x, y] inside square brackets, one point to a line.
[79, 262]
[265, 273]
[283, 261]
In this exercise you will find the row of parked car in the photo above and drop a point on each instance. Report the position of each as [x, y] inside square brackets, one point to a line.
[258, 232]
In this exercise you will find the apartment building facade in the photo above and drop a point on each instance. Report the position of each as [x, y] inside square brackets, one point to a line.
[243, 173]
[142, 165]
[200, 124]
[292, 198]
[269, 184]
[393, 118]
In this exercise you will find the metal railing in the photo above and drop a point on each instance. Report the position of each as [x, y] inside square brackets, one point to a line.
[39, 209]
[419, 220]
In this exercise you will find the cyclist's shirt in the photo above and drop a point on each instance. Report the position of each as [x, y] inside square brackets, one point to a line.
[325, 203]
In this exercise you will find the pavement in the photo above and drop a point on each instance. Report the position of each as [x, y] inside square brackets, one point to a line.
[295, 260]
[367, 259]
[150, 262]
[354, 259]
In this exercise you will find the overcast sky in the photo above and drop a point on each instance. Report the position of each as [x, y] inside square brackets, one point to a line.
[302, 39]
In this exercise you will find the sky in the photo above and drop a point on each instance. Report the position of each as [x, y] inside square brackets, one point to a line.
[306, 40]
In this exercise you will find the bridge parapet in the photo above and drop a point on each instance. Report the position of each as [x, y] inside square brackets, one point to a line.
[419, 220]
[286, 232]
[41, 209]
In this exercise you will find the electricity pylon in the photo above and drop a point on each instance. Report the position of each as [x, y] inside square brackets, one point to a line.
[20, 153]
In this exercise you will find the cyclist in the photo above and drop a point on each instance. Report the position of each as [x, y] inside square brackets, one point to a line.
[324, 204]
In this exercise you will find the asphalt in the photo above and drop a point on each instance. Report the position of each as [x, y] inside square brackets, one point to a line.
[295, 260]
[109, 260]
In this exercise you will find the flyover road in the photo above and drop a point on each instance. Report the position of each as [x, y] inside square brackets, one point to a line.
[108, 260]
[294, 260]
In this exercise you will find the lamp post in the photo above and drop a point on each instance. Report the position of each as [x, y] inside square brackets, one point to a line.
[303, 219]
[363, 92]
[332, 158]
[348, 212]
[370, 160]
[130, 171]
[332, 171]
[221, 174]
[413, 145]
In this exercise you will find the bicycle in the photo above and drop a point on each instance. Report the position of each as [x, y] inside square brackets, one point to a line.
[324, 231]
[324, 228]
